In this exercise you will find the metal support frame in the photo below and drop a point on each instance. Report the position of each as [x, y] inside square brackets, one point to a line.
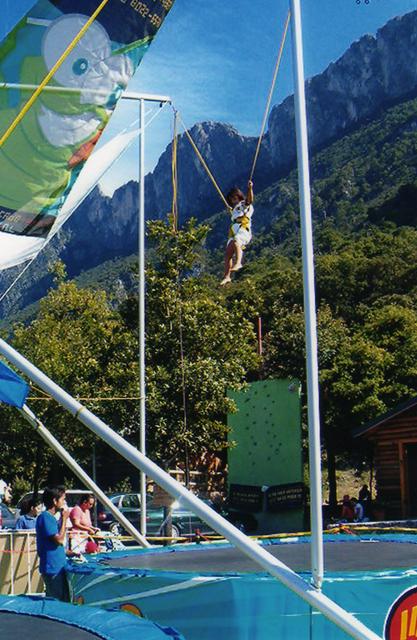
[50, 440]
[127, 95]
[339, 616]
[142, 363]
[316, 501]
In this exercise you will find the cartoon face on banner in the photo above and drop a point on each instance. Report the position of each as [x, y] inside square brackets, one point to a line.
[43, 156]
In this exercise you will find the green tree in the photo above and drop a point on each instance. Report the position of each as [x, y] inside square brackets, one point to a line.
[198, 345]
[82, 344]
[351, 374]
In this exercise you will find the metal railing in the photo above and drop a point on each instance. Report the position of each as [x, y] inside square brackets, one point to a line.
[19, 563]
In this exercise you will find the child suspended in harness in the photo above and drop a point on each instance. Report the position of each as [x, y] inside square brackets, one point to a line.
[240, 233]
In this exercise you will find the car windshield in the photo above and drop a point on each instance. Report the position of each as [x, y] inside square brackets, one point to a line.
[130, 501]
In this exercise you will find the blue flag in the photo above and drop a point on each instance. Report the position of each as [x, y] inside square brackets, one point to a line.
[13, 390]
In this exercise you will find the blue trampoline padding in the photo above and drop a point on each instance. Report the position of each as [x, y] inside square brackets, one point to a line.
[244, 606]
[109, 625]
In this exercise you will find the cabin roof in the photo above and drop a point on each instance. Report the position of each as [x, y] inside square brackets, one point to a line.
[384, 417]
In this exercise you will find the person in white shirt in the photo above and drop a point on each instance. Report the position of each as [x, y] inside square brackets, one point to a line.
[240, 233]
[3, 487]
[5, 492]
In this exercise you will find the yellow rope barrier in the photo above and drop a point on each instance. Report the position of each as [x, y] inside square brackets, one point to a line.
[51, 73]
[271, 91]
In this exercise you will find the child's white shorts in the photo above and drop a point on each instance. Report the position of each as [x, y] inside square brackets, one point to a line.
[241, 236]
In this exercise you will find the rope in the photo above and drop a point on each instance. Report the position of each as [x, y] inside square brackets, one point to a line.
[204, 163]
[184, 388]
[175, 229]
[45, 396]
[16, 280]
[51, 73]
[271, 91]
[111, 399]
[262, 131]
[174, 173]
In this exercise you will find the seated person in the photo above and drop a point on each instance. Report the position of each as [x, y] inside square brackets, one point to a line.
[348, 511]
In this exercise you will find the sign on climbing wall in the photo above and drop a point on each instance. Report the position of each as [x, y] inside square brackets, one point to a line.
[265, 457]
[246, 497]
[285, 496]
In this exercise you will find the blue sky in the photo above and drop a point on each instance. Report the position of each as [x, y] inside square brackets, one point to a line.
[215, 58]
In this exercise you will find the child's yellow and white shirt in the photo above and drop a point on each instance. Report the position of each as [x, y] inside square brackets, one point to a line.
[241, 227]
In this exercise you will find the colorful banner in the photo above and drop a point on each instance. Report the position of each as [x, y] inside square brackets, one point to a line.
[15, 249]
[42, 158]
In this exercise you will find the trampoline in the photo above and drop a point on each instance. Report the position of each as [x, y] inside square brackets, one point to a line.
[339, 555]
[38, 618]
[214, 591]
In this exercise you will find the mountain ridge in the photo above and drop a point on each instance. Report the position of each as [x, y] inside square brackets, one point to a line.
[340, 100]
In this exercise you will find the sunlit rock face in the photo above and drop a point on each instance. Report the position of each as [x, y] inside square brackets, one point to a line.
[228, 155]
[375, 71]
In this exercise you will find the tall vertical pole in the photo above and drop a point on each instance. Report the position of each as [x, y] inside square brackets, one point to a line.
[142, 387]
[260, 344]
[309, 299]
[94, 475]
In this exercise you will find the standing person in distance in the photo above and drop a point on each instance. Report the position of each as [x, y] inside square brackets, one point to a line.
[240, 233]
[82, 526]
[364, 498]
[50, 540]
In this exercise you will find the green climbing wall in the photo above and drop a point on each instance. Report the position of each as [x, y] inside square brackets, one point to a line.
[265, 465]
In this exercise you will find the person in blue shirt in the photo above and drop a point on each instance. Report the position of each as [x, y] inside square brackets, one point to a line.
[29, 511]
[50, 540]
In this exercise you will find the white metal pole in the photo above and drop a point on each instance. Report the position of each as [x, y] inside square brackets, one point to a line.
[47, 436]
[27, 549]
[12, 563]
[142, 363]
[317, 567]
[127, 95]
[343, 619]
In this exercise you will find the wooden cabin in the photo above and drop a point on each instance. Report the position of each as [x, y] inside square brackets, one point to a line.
[393, 436]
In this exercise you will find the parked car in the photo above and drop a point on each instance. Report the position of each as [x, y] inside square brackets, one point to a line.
[184, 522]
[7, 517]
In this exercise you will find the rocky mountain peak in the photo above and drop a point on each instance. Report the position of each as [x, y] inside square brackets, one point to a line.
[374, 72]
